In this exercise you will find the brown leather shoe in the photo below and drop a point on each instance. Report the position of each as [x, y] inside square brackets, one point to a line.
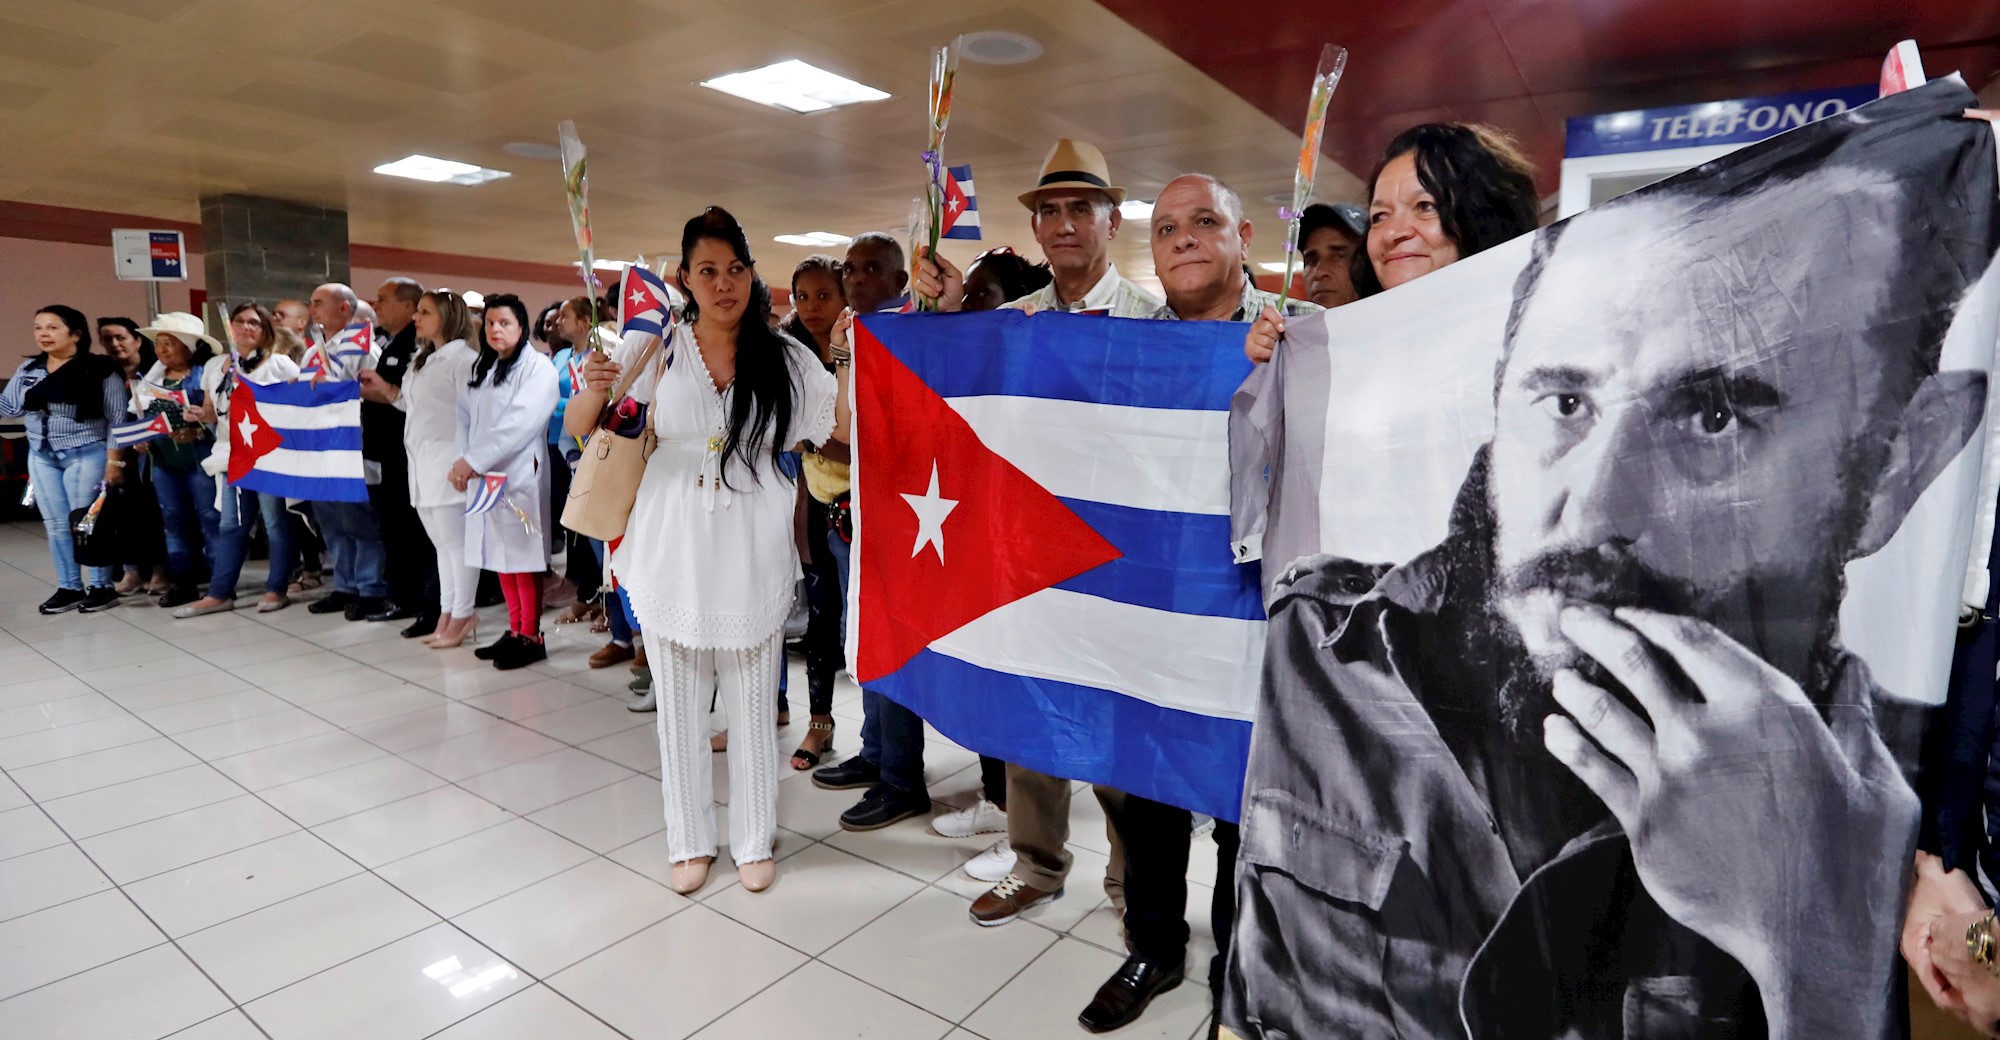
[610, 654]
[1006, 900]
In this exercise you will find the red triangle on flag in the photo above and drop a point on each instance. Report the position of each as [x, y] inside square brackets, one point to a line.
[954, 202]
[250, 437]
[950, 530]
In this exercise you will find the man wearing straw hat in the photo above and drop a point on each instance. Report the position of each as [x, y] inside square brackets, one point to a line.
[1075, 217]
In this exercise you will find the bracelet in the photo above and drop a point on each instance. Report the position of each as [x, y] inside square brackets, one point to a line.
[120, 463]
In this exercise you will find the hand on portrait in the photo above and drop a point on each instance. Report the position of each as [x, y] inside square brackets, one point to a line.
[1734, 764]
[461, 474]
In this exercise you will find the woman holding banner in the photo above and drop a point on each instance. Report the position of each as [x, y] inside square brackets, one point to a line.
[708, 556]
[1441, 192]
[503, 419]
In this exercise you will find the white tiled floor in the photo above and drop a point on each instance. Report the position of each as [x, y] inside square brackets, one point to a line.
[289, 826]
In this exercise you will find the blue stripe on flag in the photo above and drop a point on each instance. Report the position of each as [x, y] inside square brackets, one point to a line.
[311, 489]
[1178, 757]
[1173, 561]
[1071, 357]
[308, 395]
[337, 438]
[962, 230]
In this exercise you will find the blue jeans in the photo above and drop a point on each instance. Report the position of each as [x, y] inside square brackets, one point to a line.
[356, 544]
[234, 543]
[187, 512]
[66, 480]
[892, 736]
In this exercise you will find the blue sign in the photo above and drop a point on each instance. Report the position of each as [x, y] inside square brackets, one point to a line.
[1718, 122]
[165, 247]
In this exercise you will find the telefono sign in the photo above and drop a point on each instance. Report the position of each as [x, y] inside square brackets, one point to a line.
[1740, 121]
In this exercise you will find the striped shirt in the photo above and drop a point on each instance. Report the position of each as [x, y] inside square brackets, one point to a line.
[1114, 294]
[57, 428]
[1253, 304]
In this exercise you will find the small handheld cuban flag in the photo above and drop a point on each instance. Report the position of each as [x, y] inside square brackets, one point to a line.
[342, 355]
[155, 391]
[643, 303]
[136, 432]
[961, 205]
[491, 490]
[313, 368]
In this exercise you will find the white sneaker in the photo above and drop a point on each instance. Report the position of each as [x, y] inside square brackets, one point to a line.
[983, 818]
[645, 703]
[993, 865]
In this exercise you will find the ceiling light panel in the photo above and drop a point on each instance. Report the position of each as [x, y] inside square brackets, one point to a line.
[814, 238]
[439, 171]
[795, 87]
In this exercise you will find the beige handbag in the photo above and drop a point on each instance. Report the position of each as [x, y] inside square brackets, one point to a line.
[606, 482]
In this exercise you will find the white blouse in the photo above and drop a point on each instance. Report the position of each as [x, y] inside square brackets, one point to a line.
[430, 434]
[708, 563]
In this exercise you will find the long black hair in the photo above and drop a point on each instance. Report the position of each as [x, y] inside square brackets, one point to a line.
[761, 407]
[1484, 188]
[489, 358]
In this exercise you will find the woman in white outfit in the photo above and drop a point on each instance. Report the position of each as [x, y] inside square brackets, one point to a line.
[708, 557]
[429, 398]
[503, 426]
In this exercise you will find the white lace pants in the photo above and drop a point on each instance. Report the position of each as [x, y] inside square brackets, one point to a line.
[683, 680]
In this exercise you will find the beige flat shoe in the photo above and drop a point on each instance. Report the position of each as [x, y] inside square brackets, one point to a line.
[688, 877]
[758, 876]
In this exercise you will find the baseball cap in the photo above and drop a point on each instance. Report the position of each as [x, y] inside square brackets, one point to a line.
[1340, 215]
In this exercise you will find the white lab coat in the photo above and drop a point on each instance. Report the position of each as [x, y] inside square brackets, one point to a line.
[430, 431]
[505, 429]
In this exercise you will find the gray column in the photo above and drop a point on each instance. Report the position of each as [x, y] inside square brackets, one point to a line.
[265, 249]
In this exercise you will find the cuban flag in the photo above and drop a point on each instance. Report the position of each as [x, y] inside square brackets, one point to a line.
[491, 491]
[643, 303]
[136, 432]
[961, 205]
[298, 440]
[154, 391]
[342, 355]
[1044, 570]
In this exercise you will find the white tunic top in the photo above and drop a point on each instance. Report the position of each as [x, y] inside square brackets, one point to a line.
[505, 429]
[713, 566]
[430, 433]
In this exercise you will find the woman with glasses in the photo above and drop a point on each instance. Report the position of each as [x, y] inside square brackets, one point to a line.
[254, 358]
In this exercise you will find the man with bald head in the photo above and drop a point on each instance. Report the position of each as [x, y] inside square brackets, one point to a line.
[1200, 241]
[1598, 765]
[353, 537]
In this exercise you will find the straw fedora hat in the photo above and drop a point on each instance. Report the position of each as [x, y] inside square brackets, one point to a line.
[1074, 164]
[184, 327]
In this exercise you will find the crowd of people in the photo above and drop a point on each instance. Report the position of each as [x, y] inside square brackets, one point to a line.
[746, 492]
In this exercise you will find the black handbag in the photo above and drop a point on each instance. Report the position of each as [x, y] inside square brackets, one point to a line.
[110, 529]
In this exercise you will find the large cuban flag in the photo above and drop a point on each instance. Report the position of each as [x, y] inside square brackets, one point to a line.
[298, 440]
[1044, 567]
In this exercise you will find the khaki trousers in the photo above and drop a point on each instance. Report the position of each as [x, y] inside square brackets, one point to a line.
[1038, 829]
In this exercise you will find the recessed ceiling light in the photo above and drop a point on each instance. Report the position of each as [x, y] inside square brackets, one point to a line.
[815, 238]
[998, 47]
[1136, 209]
[439, 171]
[795, 86]
[532, 149]
[604, 265]
[1274, 268]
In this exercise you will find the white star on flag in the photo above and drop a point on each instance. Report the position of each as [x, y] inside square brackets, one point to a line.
[931, 511]
[952, 205]
[248, 429]
[638, 297]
